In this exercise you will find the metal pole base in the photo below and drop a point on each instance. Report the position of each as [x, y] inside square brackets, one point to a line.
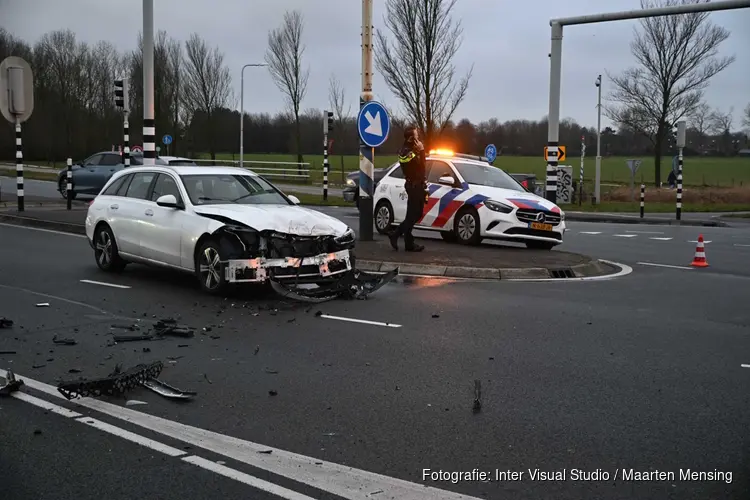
[365, 219]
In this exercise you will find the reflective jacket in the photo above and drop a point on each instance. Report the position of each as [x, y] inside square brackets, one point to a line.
[413, 165]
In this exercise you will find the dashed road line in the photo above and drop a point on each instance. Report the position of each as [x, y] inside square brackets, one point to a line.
[645, 232]
[665, 265]
[590, 232]
[744, 366]
[363, 321]
[102, 283]
[660, 238]
[625, 235]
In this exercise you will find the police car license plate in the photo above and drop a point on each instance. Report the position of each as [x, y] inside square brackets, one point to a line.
[540, 226]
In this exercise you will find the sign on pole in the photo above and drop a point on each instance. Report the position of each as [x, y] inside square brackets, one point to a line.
[16, 89]
[137, 149]
[490, 152]
[373, 124]
[560, 151]
[166, 140]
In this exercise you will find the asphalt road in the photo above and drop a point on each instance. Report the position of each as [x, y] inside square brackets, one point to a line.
[642, 372]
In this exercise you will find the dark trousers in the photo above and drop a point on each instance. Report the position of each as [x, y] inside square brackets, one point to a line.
[414, 208]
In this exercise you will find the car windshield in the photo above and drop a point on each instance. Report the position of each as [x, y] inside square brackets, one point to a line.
[487, 175]
[210, 189]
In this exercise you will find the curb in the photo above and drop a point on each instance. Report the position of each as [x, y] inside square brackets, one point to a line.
[645, 220]
[588, 269]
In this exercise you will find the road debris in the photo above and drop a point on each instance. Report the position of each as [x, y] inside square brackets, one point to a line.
[354, 285]
[257, 349]
[8, 352]
[207, 379]
[273, 393]
[271, 372]
[166, 390]
[134, 402]
[477, 396]
[43, 304]
[12, 384]
[5, 322]
[132, 338]
[115, 383]
[170, 327]
[74, 370]
[57, 341]
[435, 315]
[266, 452]
[37, 432]
[38, 366]
[132, 327]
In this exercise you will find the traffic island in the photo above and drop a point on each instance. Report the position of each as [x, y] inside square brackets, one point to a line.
[450, 260]
[492, 262]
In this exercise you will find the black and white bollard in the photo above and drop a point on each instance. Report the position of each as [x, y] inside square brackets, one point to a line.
[679, 185]
[643, 199]
[69, 185]
[325, 167]
[126, 141]
[19, 168]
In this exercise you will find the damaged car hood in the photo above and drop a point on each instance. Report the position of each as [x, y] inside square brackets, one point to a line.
[290, 219]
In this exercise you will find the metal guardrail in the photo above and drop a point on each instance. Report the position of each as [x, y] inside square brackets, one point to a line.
[287, 170]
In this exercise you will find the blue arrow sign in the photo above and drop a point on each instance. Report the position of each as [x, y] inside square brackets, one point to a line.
[490, 152]
[166, 140]
[373, 124]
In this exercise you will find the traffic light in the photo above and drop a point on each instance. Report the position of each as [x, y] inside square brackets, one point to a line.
[121, 94]
[328, 123]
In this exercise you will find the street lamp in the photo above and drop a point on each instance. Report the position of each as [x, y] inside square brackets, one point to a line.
[598, 175]
[242, 108]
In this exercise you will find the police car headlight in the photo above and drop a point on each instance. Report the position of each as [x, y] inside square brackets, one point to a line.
[496, 206]
[350, 182]
[562, 215]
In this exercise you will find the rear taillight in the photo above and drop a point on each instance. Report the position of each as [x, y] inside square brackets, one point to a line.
[525, 184]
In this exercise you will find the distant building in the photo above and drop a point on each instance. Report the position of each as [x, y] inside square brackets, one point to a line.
[743, 152]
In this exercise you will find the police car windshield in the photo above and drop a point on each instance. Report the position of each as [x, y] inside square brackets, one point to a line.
[487, 175]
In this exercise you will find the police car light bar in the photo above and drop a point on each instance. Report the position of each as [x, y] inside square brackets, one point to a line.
[441, 152]
[448, 152]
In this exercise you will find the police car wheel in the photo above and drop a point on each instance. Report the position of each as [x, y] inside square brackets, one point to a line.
[466, 227]
[383, 216]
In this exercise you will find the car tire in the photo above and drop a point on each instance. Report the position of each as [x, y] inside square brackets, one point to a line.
[105, 250]
[449, 236]
[383, 216]
[466, 227]
[540, 245]
[212, 279]
[62, 186]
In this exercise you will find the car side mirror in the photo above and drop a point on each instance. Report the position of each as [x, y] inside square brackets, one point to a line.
[169, 201]
[447, 180]
[294, 199]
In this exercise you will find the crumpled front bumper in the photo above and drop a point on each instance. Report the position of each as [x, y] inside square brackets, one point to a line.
[308, 269]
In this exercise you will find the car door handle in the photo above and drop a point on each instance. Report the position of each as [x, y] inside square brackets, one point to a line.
[149, 212]
[114, 207]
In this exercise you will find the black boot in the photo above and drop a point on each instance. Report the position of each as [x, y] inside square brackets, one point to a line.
[393, 236]
[415, 248]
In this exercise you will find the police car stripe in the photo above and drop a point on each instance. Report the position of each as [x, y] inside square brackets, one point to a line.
[447, 213]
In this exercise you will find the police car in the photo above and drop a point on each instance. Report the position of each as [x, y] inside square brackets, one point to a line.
[470, 200]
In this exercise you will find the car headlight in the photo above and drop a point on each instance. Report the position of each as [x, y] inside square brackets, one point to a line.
[347, 236]
[562, 215]
[496, 206]
[350, 182]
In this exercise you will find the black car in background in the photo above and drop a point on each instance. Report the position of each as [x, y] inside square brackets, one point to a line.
[351, 190]
[91, 174]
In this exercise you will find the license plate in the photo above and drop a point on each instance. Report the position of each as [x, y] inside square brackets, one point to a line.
[541, 227]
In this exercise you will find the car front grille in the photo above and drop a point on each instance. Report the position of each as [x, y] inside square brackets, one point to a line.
[527, 215]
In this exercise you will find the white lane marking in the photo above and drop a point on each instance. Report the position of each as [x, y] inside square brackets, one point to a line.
[62, 299]
[590, 232]
[741, 245]
[660, 239]
[41, 403]
[624, 271]
[113, 285]
[131, 436]
[15, 226]
[625, 235]
[363, 321]
[665, 265]
[246, 478]
[696, 241]
[744, 366]
[337, 479]
[645, 232]
[162, 448]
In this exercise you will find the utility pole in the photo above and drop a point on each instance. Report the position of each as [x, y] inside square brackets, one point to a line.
[242, 110]
[598, 167]
[366, 167]
[149, 125]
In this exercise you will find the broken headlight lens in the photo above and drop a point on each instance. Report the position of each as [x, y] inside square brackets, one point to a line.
[347, 236]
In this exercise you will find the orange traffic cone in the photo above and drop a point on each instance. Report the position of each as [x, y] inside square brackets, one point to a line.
[700, 254]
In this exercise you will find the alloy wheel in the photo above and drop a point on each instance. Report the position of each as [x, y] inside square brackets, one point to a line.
[104, 248]
[383, 217]
[466, 227]
[210, 268]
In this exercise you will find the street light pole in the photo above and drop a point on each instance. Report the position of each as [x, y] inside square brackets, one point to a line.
[242, 109]
[149, 124]
[598, 174]
[366, 167]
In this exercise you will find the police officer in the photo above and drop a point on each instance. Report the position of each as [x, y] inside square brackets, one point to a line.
[412, 160]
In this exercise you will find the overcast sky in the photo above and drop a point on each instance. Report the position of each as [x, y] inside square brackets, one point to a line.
[507, 41]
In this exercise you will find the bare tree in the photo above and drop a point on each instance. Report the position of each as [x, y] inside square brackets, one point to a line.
[678, 55]
[746, 117]
[700, 119]
[337, 102]
[418, 64]
[206, 84]
[284, 59]
[721, 122]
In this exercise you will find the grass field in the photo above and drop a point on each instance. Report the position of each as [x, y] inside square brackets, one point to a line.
[697, 171]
